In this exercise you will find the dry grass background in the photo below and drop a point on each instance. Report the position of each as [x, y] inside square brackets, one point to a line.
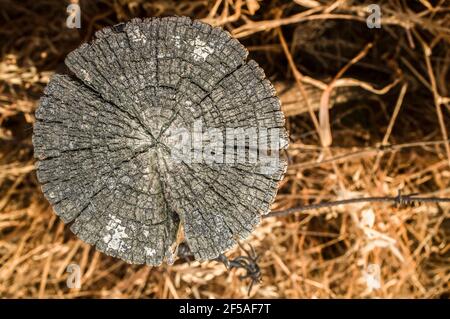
[396, 84]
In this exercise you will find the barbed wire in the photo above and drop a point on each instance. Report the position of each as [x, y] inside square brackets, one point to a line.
[249, 261]
[399, 200]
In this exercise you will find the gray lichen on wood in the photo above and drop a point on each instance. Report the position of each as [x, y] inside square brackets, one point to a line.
[98, 140]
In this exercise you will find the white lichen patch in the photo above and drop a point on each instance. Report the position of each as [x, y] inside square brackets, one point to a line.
[177, 40]
[201, 50]
[116, 234]
[189, 106]
[137, 36]
[149, 251]
[85, 75]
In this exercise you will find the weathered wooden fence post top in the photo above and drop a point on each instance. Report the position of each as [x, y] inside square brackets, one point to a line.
[119, 156]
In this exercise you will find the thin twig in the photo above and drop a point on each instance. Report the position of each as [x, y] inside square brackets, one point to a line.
[324, 116]
[391, 125]
[369, 151]
[298, 79]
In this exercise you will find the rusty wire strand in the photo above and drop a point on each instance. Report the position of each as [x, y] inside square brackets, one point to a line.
[399, 200]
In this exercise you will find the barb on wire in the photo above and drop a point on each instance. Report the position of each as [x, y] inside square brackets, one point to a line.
[399, 200]
[249, 263]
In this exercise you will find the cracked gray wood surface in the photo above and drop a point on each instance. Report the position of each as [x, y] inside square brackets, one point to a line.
[99, 140]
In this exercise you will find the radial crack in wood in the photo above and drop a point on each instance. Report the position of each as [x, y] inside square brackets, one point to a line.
[103, 139]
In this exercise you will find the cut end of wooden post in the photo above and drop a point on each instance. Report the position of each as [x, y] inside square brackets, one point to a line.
[107, 140]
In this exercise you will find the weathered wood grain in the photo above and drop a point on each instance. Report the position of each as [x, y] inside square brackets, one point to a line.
[99, 139]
